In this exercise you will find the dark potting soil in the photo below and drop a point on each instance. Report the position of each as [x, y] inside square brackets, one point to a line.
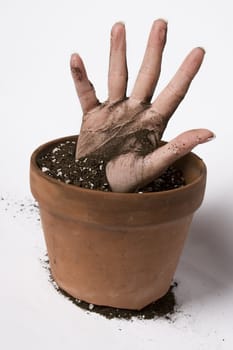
[89, 172]
[165, 307]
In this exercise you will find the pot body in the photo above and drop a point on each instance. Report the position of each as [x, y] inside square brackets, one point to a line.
[116, 249]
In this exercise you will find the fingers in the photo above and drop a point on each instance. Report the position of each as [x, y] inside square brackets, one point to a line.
[156, 162]
[151, 65]
[84, 88]
[169, 99]
[118, 74]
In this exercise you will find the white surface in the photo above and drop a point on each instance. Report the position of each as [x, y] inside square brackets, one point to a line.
[38, 103]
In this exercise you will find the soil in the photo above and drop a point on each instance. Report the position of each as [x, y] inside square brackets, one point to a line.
[89, 172]
[162, 308]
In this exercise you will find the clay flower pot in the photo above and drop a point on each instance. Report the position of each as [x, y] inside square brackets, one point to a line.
[116, 249]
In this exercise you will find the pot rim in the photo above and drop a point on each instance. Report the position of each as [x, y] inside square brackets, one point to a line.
[45, 145]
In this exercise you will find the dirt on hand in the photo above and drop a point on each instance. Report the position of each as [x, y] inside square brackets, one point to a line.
[89, 172]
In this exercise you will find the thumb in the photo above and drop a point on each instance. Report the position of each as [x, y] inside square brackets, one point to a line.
[156, 163]
[126, 173]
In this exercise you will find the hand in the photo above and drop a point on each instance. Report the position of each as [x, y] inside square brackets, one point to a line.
[126, 132]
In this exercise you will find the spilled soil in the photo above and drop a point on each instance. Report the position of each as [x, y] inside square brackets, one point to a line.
[165, 307]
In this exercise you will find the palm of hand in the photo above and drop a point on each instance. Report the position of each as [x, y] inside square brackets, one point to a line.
[115, 129]
[127, 131]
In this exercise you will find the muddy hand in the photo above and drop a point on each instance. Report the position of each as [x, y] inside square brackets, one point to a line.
[127, 131]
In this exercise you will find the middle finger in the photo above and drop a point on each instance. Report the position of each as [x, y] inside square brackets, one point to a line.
[151, 65]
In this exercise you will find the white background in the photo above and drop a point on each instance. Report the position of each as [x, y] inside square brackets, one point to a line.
[38, 103]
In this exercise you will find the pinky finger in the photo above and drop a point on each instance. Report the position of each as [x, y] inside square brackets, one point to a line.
[84, 88]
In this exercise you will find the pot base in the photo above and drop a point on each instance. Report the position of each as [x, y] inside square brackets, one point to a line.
[126, 268]
[164, 307]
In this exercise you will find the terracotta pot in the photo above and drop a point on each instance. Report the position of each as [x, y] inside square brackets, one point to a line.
[116, 249]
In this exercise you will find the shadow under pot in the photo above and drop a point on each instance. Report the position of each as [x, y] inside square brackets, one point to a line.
[115, 249]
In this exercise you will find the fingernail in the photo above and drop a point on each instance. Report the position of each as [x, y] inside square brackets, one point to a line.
[74, 60]
[162, 34]
[120, 22]
[116, 25]
[161, 19]
[211, 138]
[202, 48]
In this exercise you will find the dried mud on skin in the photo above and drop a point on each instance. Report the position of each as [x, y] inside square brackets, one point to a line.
[89, 172]
[164, 308]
